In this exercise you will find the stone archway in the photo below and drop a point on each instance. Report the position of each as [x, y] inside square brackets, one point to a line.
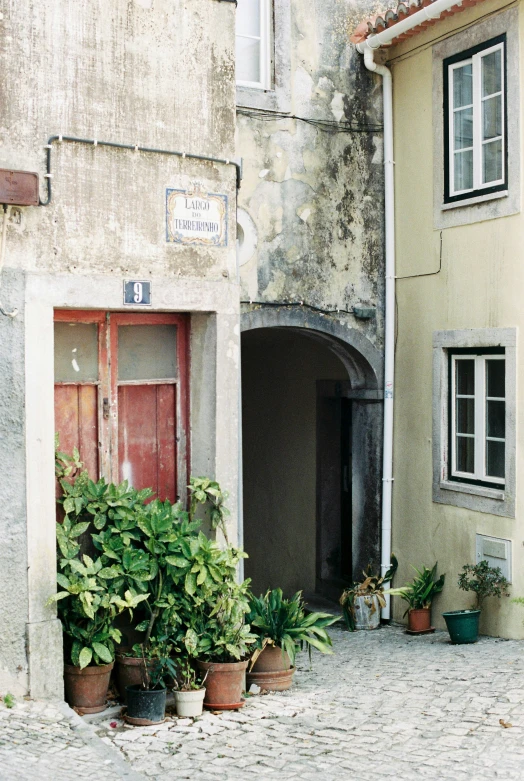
[304, 377]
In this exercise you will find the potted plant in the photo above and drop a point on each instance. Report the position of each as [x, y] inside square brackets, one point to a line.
[484, 581]
[189, 691]
[419, 595]
[361, 602]
[87, 611]
[282, 627]
[146, 701]
[217, 636]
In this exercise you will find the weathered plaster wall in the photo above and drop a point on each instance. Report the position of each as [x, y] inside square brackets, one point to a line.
[151, 72]
[315, 197]
[156, 73]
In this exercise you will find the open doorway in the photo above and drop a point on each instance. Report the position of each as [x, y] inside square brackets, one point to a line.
[305, 499]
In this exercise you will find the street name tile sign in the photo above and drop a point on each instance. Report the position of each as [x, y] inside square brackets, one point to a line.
[196, 218]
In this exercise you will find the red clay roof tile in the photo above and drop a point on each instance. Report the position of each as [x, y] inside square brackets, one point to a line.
[389, 18]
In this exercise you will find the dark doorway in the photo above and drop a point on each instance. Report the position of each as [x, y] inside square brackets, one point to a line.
[334, 555]
[282, 370]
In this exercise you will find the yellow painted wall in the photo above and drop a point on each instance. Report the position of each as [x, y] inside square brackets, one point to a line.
[481, 285]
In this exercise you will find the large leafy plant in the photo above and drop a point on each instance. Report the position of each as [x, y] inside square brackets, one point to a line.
[285, 623]
[152, 553]
[86, 606]
[215, 615]
[422, 589]
[371, 586]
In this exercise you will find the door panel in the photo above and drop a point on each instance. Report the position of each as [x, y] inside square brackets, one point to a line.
[146, 438]
[76, 420]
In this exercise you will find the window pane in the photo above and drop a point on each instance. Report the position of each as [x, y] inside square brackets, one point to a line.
[492, 73]
[465, 416]
[463, 86]
[465, 454]
[495, 454]
[465, 377]
[463, 129]
[492, 117]
[463, 170]
[496, 419]
[76, 352]
[496, 378]
[248, 60]
[492, 161]
[248, 17]
[147, 352]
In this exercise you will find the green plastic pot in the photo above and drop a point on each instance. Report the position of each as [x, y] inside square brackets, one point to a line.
[463, 625]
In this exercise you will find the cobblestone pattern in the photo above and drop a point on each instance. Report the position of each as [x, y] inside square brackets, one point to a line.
[38, 741]
[386, 706]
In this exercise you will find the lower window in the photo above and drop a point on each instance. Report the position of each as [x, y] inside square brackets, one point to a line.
[478, 417]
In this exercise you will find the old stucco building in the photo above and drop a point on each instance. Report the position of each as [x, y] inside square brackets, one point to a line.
[457, 96]
[124, 293]
[311, 267]
[132, 75]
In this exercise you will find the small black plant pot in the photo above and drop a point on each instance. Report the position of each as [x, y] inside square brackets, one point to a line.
[144, 706]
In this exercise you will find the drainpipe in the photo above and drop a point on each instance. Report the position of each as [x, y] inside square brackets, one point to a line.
[431, 12]
[389, 337]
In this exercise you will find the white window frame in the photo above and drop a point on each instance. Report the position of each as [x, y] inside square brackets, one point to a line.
[265, 48]
[480, 436]
[476, 61]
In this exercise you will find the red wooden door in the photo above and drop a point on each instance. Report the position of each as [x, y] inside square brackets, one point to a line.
[121, 396]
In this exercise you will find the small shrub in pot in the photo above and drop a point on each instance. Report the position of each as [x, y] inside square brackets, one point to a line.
[146, 702]
[484, 581]
[189, 690]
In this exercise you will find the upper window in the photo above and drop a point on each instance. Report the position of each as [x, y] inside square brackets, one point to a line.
[253, 44]
[475, 135]
[478, 417]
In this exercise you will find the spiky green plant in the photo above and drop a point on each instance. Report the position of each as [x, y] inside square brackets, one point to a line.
[422, 589]
[285, 623]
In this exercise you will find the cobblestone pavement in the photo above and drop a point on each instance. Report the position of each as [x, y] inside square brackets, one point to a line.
[49, 742]
[386, 706]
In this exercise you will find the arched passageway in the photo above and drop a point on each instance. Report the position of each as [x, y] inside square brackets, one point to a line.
[311, 458]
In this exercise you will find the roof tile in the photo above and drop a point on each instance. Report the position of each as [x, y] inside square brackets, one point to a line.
[392, 16]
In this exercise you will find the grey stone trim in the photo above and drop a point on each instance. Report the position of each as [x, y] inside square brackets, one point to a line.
[278, 98]
[362, 359]
[45, 659]
[483, 207]
[479, 498]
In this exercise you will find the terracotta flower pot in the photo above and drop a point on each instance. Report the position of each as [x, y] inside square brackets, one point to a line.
[129, 672]
[271, 660]
[419, 620]
[272, 670]
[224, 684]
[86, 689]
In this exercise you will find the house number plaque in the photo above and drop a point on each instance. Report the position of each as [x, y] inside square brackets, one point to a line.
[137, 292]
